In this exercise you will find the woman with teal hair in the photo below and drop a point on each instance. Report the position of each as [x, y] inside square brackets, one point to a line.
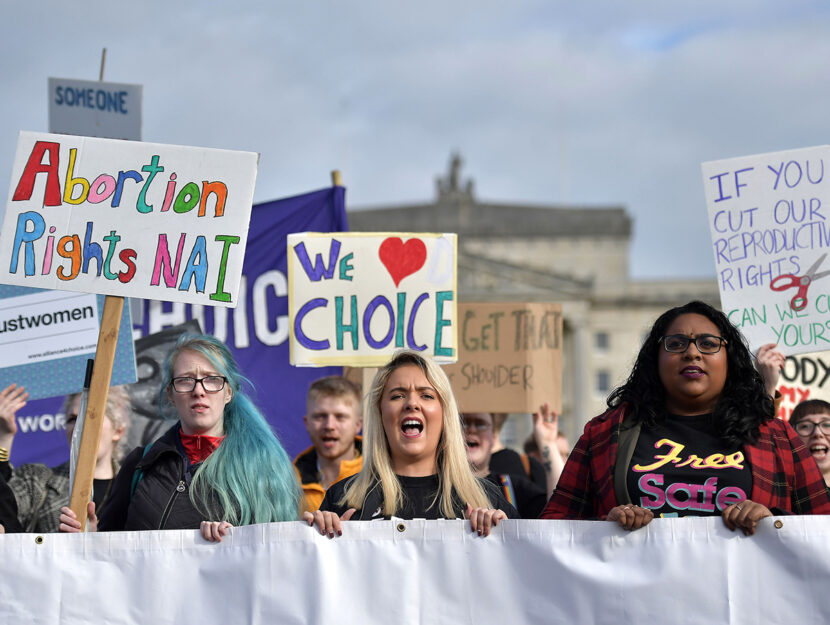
[221, 465]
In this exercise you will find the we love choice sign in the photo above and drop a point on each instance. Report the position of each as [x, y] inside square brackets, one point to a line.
[355, 298]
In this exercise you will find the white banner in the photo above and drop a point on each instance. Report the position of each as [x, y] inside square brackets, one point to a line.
[689, 570]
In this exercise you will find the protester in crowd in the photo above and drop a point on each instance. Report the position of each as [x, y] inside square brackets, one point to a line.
[507, 461]
[769, 362]
[333, 420]
[414, 464]
[692, 432]
[518, 489]
[221, 465]
[563, 446]
[41, 491]
[811, 420]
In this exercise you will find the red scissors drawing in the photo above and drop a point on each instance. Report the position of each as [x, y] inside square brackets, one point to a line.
[787, 281]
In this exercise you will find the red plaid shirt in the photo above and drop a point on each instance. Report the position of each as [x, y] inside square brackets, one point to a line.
[785, 477]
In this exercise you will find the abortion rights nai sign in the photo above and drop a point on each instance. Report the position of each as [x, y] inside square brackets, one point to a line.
[354, 298]
[768, 215]
[127, 218]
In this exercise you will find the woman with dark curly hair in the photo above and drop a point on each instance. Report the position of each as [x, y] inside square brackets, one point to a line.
[690, 433]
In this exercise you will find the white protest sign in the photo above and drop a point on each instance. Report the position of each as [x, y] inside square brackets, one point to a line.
[95, 109]
[127, 218]
[804, 376]
[354, 298]
[45, 325]
[768, 218]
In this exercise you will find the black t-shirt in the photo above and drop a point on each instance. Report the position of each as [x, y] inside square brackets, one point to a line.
[8, 509]
[682, 467]
[418, 496]
[100, 491]
[507, 461]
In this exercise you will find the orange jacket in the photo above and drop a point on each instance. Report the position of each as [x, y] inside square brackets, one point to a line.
[305, 465]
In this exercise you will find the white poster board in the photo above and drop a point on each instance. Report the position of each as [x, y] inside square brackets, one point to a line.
[127, 218]
[43, 325]
[95, 109]
[768, 216]
[354, 298]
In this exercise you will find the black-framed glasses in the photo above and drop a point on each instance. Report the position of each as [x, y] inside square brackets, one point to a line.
[806, 428]
[211, 384]
[705, 343]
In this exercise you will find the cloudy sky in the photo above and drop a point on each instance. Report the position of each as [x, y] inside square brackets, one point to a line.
[548, 102]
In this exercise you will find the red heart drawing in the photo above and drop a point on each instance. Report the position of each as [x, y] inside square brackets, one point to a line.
[402, 259]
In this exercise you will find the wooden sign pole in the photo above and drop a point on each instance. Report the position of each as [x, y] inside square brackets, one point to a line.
[96, 405]
[103, 60]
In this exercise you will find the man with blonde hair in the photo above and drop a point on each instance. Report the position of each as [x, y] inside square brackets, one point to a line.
[333, 420]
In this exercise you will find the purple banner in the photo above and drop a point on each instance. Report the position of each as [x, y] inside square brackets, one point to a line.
[256, 331]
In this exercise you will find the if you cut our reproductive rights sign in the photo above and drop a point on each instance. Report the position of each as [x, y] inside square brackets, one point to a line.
[768, 216]
[127, 218]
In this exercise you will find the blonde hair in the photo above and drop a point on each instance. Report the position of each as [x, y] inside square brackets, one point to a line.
[118, 410]
[335, 386]
[456, 481]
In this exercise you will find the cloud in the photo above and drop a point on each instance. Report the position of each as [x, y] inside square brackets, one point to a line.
[548, 103]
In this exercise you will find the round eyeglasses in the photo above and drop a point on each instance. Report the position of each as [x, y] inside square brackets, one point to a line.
[705, 343]
[806, 428]
[211, 384]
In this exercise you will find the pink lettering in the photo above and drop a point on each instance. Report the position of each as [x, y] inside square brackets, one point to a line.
[730, 495]
[645, 485]
[671, 495]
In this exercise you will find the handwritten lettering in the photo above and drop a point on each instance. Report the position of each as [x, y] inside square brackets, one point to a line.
[714, 461]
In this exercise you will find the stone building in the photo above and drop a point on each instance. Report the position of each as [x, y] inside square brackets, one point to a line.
[573, 255]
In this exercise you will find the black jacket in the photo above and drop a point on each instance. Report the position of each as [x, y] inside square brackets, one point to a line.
[151, 491]
[507, 461]
[8, 509]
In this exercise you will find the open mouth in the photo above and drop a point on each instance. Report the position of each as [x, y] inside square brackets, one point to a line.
[412, 427]
[472, 443]
[819, 451]
[692, 372]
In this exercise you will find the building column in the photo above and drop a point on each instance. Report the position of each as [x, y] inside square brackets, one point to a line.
[579, 373]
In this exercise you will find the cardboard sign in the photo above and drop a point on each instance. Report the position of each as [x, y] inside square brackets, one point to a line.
[127, 218]
[95, 109]
[354, 298]
[46, 338]
[509, 357]
[768, 215]
[805, 376]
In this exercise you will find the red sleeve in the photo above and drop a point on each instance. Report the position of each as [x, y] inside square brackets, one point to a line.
[574, 494]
